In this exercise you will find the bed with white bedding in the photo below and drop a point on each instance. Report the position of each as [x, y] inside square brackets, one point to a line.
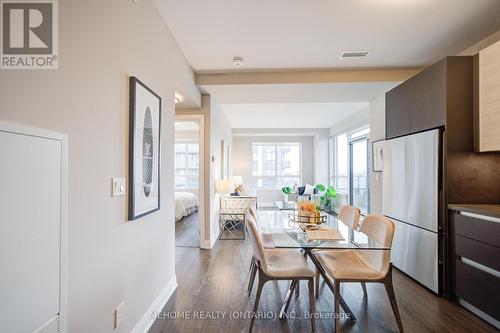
[185, 204]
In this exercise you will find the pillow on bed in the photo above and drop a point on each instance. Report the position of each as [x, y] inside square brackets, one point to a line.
[309, 189]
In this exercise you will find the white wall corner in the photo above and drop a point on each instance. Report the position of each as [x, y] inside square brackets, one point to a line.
[148, 318]
[208, 244]
[377, 118]
[360, 118]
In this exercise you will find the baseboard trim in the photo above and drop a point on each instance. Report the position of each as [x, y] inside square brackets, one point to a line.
[148, 318]
[209, 244]
[214, 241]
[206, 245]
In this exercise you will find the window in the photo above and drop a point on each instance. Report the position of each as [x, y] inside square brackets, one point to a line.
[331, 154]
[350, 165]
[187, 164]
[341, 164]
[359, 171]
[275, 165]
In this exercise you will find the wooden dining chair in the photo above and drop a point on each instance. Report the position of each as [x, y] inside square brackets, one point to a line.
[363, 265]
[349, 215]
[273, 265]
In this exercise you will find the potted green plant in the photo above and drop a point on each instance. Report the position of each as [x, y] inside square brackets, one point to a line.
[287, 190]
[327, 198]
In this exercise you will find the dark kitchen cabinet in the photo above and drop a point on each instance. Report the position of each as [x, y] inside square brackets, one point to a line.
[436, 97]
[397, 115]
[474, 246]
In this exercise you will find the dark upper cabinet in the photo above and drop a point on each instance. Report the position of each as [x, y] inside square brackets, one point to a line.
[439, 95]
[397, 115]
[428, 107]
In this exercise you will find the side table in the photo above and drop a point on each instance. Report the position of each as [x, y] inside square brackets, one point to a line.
[232, 225]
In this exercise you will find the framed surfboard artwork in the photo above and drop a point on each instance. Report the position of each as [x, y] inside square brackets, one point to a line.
[144, 150]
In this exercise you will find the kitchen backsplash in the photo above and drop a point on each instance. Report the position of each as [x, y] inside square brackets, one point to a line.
[474, 178]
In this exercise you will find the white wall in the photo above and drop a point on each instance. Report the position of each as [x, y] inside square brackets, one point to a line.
[377, 132]
[360, 118]
[219, 130]
[321, 151]
[242, 161]
[101, 43]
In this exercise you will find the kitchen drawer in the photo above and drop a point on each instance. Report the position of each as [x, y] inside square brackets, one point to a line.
[478, 229]
[478, 288]
[479, 252]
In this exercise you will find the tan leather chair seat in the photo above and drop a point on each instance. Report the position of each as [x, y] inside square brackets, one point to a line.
[289, 263]
[346, 265]
[267, 240]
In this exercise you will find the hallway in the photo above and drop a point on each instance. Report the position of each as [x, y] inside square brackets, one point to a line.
[187, 231]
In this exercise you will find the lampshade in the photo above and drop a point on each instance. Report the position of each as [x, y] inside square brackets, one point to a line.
[237, 180]
[224, 186]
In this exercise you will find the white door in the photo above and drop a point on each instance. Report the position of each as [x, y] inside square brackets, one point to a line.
[31, 170]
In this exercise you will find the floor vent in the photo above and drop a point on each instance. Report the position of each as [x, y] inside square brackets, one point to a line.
[353, 54]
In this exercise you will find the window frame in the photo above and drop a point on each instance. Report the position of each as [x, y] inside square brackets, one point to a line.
[187, 142]
[351, 134]
[276, 176]
[356, 139]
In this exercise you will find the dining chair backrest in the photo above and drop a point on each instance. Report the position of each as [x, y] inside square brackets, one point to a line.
[349, 215]
[253, 211]
[255, 240]
[381, 230]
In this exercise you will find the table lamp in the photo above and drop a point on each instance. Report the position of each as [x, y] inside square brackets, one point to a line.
[223, 186]
[237, 180]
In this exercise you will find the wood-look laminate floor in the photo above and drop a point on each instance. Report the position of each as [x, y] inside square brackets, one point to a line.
[213, 284]
[187, 231]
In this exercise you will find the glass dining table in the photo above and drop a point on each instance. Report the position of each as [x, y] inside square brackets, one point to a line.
[287, 234]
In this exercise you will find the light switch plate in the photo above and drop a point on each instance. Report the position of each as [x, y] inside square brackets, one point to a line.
[118, 186]
[119, 314]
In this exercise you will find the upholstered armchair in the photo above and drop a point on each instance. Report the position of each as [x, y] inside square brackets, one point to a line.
[238, 203]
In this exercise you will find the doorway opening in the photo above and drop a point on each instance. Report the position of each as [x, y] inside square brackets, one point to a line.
[187, 181]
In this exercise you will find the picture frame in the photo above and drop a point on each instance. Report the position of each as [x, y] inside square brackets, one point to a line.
[144, 149]
[378, 156]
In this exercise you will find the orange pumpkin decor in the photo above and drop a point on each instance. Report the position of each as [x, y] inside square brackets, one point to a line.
[309, 209]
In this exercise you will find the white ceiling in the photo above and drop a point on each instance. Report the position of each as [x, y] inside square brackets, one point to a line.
[294, 105]
[289, 115]
[298, 93]
[313, 33]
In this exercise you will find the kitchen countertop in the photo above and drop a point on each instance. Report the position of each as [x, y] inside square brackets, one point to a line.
[488, 210]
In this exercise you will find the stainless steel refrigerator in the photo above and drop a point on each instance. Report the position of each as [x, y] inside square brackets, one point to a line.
[411, 190]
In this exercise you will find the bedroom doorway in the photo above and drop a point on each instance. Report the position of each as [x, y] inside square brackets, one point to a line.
[188, 165]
